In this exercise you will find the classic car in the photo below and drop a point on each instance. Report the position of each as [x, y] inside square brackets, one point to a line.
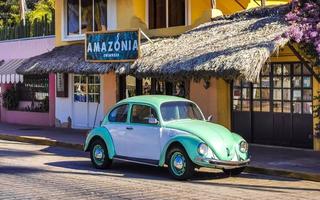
[165, 131]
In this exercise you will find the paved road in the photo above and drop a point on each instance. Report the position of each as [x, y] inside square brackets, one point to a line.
[41, 172]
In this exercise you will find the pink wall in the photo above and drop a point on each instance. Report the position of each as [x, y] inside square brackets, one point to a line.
[31, 118]
[25, 48]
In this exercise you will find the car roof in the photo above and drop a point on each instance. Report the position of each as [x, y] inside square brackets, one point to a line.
[155, 100]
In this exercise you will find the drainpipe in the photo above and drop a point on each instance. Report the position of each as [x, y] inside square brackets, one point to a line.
[263, 3]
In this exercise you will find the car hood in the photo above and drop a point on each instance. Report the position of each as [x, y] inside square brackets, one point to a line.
[221, 141]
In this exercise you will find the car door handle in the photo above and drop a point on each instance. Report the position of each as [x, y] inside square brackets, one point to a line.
[129, 128]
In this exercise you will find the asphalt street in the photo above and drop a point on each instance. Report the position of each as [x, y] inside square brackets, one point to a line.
[41, 172]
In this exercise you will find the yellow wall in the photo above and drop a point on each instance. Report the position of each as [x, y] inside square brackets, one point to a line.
[316, 89]
[214, 100]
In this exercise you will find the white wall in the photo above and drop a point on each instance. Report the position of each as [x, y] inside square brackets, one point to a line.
[64, 105]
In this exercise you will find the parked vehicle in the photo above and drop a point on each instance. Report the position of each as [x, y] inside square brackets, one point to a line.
[165, 130]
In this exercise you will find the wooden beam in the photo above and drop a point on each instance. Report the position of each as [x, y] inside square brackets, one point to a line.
[306, 64]
[263, 3]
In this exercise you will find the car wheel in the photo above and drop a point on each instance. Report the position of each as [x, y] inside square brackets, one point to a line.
[179, 164]
[233, 172]
[99, 155]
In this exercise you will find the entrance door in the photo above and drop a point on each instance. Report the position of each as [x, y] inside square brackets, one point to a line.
[278, 109]
[87, 106]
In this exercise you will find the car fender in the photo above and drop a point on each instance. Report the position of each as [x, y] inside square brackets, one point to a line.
[105, 135]
[189, 142]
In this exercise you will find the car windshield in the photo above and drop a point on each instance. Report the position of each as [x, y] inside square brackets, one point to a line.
[180, 110]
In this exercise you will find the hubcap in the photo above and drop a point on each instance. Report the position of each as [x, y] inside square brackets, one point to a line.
[98, 154]
[178, 163]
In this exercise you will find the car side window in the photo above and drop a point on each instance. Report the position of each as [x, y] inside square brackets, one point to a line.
[141, 114]
[119, 114]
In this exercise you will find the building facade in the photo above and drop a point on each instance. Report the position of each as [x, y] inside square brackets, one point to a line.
[276, 110]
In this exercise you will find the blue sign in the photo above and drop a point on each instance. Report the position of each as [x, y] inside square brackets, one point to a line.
[114, 46]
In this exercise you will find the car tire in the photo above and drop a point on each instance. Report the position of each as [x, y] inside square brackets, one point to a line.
[179, 164]
[99, 155]
[233, 172]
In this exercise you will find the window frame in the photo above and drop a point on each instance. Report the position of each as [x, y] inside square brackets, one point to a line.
[302, 75]
[80, 36]
[116, 107]
[143, 124]
[187, 14]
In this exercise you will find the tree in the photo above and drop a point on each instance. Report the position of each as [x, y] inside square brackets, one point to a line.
[9, 12]
[36, 9]
[42, 8]
[304, 19]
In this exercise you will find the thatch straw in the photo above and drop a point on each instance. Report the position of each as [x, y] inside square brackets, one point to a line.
[68, 59]
[229, 47]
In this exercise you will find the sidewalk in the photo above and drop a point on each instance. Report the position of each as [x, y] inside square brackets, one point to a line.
[280, 161]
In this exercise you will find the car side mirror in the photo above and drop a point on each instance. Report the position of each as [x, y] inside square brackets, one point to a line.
[210, 119]
[153, 120]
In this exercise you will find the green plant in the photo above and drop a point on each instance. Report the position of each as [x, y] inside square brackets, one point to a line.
[11, 99]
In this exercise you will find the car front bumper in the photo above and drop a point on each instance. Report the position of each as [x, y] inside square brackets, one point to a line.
[220, 164]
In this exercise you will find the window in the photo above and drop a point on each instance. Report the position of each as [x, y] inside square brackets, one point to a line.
[34, 88]
[119, 114]
[167, 13]
[130, 86]
[86, 88]
[141, 114]
[282, 88]
[85, 15]
[180, 110]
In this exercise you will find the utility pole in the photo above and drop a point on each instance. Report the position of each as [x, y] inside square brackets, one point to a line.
[23, 11]
[263, 3]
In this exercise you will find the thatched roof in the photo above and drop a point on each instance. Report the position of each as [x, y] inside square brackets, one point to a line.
[228, 47]
[67, 59]
[232, 46]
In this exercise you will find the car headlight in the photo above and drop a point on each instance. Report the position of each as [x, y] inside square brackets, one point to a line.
[203, 149]
[244, 146]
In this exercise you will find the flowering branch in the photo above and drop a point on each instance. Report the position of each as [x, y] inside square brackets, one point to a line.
[304, 19]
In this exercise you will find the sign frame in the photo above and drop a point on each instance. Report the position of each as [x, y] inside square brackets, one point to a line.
[113, 31]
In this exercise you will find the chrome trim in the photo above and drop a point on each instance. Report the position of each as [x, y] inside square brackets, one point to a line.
[132, 161]
[230, 163]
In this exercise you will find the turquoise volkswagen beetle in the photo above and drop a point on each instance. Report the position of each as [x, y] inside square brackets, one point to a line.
[164, 130]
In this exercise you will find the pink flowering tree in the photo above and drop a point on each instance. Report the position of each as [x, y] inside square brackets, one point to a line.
[304, 19]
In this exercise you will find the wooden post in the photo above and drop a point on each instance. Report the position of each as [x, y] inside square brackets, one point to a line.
[263, 3]
[213, 4]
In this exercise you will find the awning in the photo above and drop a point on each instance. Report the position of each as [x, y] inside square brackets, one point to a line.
[68, 59]
[8, 71]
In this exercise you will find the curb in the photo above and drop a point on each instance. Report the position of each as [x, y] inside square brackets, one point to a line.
[249, 169]
[37, 141]
[284, 173]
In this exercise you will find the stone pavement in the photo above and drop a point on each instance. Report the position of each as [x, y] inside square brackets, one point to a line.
[288, 162]
[43, 172]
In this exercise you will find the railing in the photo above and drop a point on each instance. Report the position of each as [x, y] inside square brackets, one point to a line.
[36, 29]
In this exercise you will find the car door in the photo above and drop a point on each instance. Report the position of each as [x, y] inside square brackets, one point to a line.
[117, 123]
[143, 134]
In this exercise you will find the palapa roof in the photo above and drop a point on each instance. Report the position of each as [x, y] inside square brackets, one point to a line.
[228, 47]
[68, 59]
